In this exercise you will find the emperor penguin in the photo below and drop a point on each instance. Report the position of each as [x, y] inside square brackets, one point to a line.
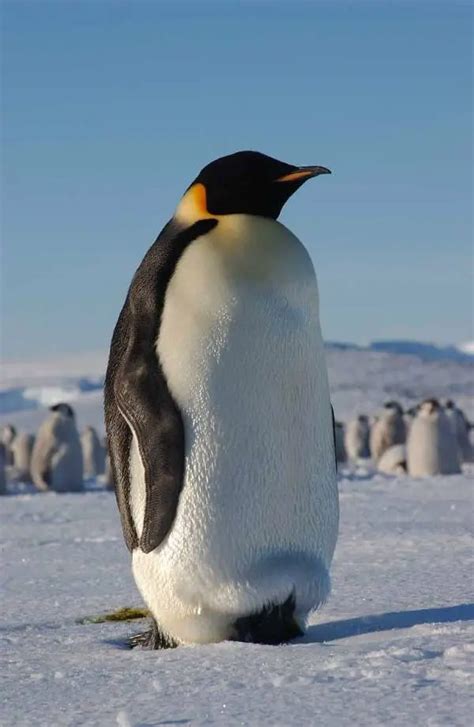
[219, 419]
[93, 454]
[460, 428]
[389, 429]
[56, 463]
[431, 447]
[356, 438]
[22, 450]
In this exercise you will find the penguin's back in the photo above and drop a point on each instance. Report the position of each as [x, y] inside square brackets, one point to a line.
[241, 349]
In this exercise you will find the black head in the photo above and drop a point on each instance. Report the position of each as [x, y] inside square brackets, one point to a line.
[450, 404]
[393, 406]
[430, 405]
[64, 409]
[249, 182]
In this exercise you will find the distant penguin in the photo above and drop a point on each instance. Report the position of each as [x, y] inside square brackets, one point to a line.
[394, 460]
[432, 447]
[56, 462]
[461, 428]
[356, 438]
[22, 450]
[93, 454]
[389, 429]
[408, 417]
[3, 468]
[219, 419]
[7, 435]
[107, 478]
[341, 455]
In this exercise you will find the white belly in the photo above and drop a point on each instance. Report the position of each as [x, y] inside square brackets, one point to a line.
[241, 348]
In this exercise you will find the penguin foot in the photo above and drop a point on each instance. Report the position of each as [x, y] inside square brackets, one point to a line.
[274, 624]
[152, 639]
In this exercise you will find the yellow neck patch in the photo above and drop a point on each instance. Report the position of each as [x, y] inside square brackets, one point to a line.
[193, 205]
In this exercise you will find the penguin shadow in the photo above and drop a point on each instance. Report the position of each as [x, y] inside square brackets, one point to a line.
[344, 629]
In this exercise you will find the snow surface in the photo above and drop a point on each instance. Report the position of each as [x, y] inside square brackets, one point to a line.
[394, 644]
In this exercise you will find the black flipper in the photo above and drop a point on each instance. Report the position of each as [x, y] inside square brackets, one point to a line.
[137, 397]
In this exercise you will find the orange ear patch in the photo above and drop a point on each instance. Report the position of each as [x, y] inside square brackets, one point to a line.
[199, 198]
[193, 205]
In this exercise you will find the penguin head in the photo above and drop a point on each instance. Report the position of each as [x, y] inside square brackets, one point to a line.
[450, 404]
[246, 182]
[63, 409]
[8, 434]
[393, 408]
[429, 407]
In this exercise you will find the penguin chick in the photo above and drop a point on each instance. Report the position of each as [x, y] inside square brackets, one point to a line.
[389, 429]
[460, 427]
[22, 450]
[356, 438]
[431, 446]
[394, 460]
[7, 435]
[93, 454]
[56, 461]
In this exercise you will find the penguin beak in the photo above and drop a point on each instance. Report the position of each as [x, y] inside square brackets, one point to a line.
[302, 174]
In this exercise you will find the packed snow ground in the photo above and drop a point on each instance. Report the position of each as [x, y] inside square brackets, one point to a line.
[392, 646]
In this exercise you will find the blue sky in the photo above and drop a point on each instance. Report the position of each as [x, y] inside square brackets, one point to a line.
[111, 108]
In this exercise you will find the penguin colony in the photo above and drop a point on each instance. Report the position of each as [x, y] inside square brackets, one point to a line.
[57, 458]
[428, 439]
[352, 446]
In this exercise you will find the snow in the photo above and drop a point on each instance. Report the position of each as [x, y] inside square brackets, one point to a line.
[467, 347]
[393, 645]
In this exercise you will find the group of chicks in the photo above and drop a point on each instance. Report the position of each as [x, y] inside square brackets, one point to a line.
[58, 458]
[428, 439]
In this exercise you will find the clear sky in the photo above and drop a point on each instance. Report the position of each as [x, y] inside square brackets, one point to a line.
[111, 108]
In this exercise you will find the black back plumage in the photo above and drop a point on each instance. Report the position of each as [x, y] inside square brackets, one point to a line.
[137, 395]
